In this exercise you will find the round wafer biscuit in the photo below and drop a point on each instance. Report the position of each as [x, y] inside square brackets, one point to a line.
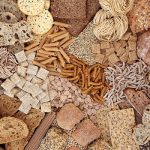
[31, 7]
[41, 23]
[47, 4]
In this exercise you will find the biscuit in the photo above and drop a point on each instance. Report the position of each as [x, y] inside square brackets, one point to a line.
[41, 23]
[31, 7]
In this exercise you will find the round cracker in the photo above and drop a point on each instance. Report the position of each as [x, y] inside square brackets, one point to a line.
[31, 7]
[41, 23]
[8, 17]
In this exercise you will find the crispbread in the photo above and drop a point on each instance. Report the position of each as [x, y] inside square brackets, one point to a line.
[16, 48]
[100, 145]
[8, 17]
[74, 9]
[41, 23]
[10, 6]
[12, 129]
[134, 98]
[102, 120]
[32, 8]
[8, 106]
[121, 123]
[32, 119]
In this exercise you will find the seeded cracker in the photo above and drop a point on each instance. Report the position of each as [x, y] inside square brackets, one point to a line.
[121, 123]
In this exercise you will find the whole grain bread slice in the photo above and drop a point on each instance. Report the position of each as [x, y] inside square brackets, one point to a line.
[32, 119]
[8, 106]
[12, 129]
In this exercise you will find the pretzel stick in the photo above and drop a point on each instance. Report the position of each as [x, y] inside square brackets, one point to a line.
[62, 24]
[87, 90]
[69, 66]
[31, 46]
[39, 134]
[32, 50]
[60, 37]
[53, 73]
[38, 64]
[56, 34]
[50, 60]
[65, 45]
[47, 53]
[74, 78]
[39, 58]
[53, 49]
[62, 62]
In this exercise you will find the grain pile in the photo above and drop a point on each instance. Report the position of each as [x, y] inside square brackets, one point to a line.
[122, 76]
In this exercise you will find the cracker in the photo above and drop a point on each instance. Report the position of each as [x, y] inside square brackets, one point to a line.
[67, 9]
[41, 23]
[42, 74]
[8, 105]
[20, 56]
[146, 116]
[121, 123]
[32, 8]
[32, 70]
[8, 85]
[8, 17]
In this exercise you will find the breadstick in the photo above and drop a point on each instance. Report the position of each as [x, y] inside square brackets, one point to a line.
[53, 73]
[31, 46]
[98, 87]
[74, 78]
[61, 59]
[96, 84]
[87, 90]
[66, 74]
[60, 37]
[69, 66]
[67, 71]
[39, 134]
[50, 60]
[51, 44]
[56, 65]
[32, 50]
[65, 45]
[64, 55]
[62, 24]
[56, 34]
[38, 64]
[63, 41]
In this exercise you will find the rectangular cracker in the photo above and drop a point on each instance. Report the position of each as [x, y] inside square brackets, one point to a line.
[121, 123]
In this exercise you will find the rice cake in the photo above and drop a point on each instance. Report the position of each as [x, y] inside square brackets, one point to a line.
[121, 123]
[74, 9]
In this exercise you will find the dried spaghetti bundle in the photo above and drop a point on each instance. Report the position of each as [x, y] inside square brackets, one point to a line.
[8, 63]
[117, 7]
[109, 27]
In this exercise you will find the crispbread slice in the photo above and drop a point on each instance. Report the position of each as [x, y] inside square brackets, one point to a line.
[32, 119]
[121, 123]
[12, 129]
[8, 106]
[8, 17]
[102, 120]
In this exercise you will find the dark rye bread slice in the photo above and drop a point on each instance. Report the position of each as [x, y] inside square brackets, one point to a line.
[137, 99]
[32, 119]
[8, 106]
[12, 129]
[77, 25]
[68, 9]
[10, 6]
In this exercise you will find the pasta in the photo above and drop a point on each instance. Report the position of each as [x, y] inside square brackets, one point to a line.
[117, 7]
[109, 27]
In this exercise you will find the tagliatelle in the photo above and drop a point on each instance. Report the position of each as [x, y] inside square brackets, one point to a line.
[109, 27]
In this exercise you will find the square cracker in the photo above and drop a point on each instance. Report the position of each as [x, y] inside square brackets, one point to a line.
[69, 9]
[121, 123]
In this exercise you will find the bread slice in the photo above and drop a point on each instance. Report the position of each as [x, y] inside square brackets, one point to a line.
[32, 119]
[12, 129]
[8, 106]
